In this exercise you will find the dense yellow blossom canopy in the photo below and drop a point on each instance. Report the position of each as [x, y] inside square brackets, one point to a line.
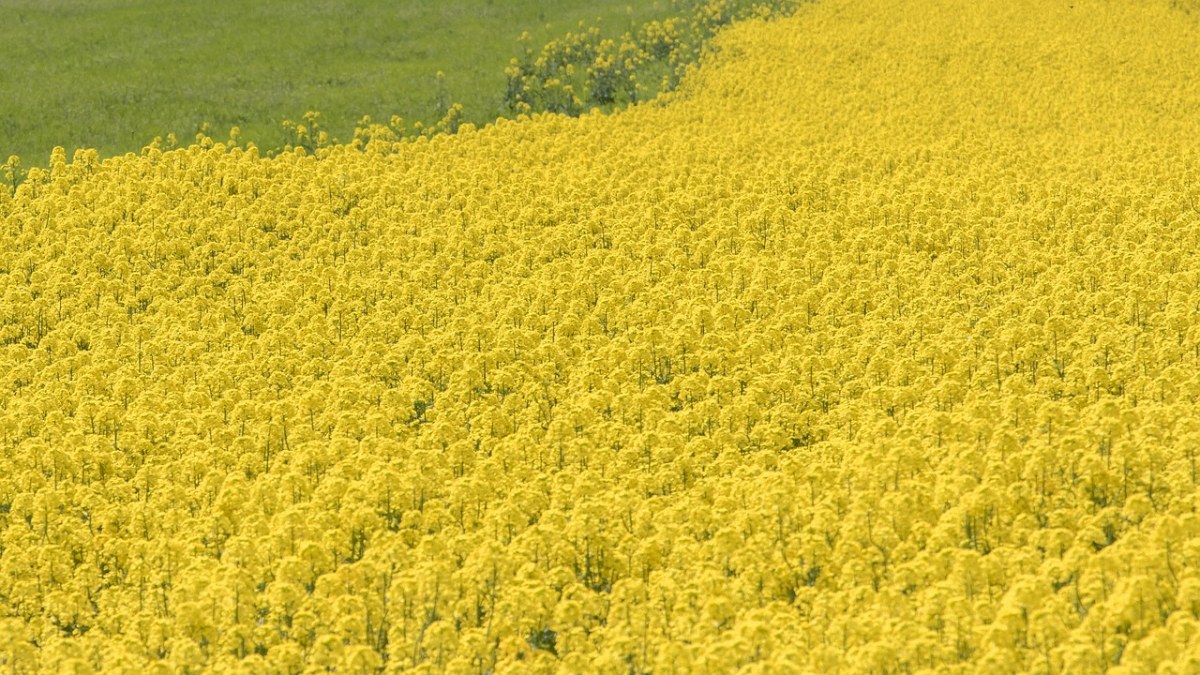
[875, 347]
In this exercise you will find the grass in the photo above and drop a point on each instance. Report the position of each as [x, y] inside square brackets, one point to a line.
[113, 74]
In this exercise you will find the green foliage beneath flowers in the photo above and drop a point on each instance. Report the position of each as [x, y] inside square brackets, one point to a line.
[589, 68]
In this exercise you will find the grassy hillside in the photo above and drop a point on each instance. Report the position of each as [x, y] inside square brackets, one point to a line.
[112, 74]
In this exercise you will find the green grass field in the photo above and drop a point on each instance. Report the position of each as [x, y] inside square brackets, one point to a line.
[113, 74]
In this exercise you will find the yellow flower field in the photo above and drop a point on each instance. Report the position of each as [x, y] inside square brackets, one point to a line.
[874, 348]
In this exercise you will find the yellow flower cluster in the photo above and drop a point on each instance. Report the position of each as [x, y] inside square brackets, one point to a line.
[585, 69]
[873, 348]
